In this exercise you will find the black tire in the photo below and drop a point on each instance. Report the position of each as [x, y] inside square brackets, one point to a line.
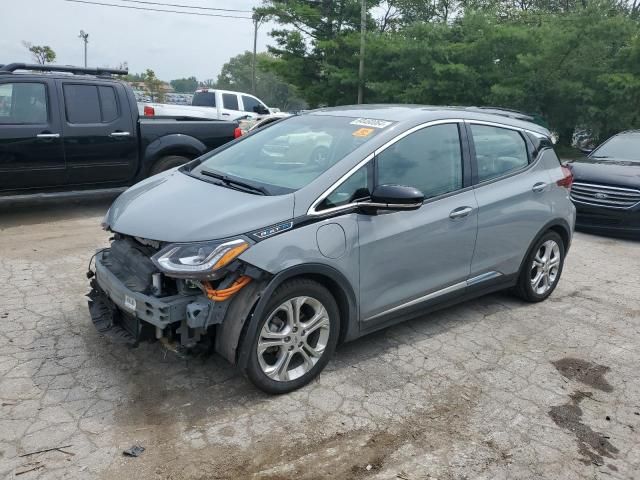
[166, 163]
[524, 288]
[289, 290]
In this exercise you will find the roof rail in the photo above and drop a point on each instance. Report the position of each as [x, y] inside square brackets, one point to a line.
[12, 67]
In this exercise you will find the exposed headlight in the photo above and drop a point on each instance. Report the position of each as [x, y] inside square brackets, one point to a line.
[199, 259]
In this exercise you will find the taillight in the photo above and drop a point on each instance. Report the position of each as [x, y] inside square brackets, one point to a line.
[567, 180]
[237, 132]
[149, 111]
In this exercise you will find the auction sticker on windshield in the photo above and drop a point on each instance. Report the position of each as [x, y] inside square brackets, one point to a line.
[370, 122]
[363, 132]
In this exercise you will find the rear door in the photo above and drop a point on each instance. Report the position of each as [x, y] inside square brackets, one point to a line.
[231, 106]
[408, 259]
[31, 151]
[512, 192]
[99, 132]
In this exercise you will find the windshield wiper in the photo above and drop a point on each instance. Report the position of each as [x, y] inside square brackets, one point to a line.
[234, 182]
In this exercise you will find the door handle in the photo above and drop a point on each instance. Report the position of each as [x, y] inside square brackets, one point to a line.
[46, 136]
[539, 187]
[460, 212]
[120, 134]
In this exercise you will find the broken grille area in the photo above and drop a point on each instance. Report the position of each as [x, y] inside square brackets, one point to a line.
[604, 195]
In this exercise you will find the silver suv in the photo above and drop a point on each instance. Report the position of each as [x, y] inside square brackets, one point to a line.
[326, 226]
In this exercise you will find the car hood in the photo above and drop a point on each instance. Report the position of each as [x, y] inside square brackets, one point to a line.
[608, 171]
[175, 207]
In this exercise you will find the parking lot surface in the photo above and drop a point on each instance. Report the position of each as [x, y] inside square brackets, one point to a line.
[490, 389]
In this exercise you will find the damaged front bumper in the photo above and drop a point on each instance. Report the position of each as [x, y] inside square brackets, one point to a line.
[131, 301]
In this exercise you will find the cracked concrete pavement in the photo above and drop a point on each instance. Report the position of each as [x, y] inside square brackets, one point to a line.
[490, 389]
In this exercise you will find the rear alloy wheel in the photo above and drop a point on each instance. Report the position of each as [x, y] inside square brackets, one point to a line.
[542, 269]
[296, 339]
[545, 267]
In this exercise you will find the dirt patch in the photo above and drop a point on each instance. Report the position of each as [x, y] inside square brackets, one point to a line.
[585, 372]
[592, 445]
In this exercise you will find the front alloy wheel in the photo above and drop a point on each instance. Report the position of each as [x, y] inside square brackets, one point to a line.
[295, 339]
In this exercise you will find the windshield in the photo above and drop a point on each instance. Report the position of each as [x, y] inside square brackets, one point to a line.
[621, 147]
[288, 155]
[204, 99]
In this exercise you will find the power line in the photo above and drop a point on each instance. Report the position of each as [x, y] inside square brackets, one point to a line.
[186, 6]
[157, 9]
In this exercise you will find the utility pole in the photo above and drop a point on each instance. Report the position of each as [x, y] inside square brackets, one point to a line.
[363, 28]
[85, 38]
[256, 23]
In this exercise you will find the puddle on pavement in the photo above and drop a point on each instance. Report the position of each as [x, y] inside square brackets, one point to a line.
[590, 374]
[593, 446]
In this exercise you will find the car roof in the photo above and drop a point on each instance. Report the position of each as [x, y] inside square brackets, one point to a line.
[416, 114]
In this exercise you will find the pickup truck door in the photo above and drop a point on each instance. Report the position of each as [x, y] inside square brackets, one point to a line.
[231, 107]
[100, 133]
[31, 152]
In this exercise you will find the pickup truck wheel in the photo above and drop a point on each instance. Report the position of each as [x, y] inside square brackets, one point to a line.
[168, 162]
[296, 337]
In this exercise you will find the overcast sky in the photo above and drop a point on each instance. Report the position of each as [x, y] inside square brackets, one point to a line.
[173, 45]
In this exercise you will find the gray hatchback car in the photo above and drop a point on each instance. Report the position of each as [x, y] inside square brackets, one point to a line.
[329, 225]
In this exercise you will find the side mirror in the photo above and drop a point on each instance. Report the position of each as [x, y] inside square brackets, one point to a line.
[260, 110]
[586, 151]
[395, 197]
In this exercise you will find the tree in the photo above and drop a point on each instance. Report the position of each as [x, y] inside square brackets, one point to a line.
[208, 83]
[236, 75]
[42, 54]
[185, 85]
[153, 85]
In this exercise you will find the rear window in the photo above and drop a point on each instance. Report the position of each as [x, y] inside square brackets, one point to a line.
[204, 99]
[90, 104]
[230, 101]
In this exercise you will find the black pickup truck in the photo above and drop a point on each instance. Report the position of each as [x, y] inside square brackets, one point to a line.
[68, 128]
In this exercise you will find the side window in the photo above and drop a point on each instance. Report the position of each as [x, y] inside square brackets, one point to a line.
[23, 103]
[230, 101]
[250, 103]
[354, 188]
[109, 104]
[429, 159]
[82, 104]
[498, 151]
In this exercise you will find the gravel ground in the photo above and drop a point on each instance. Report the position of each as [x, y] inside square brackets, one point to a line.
[493, 388]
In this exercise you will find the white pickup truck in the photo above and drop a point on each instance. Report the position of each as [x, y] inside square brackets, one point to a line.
[211, 104]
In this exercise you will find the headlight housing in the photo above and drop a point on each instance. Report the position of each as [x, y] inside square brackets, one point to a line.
[198, 259]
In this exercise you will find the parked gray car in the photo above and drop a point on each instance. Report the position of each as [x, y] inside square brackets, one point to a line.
[275, 253]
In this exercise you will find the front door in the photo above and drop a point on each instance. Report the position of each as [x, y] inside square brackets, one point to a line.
[31, 151]
[410, 258]
[99, 133]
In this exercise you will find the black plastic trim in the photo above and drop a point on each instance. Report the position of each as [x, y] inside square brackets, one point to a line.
[350, 329]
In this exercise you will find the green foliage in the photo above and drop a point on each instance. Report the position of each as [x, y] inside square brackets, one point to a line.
[575, 62]
[184, 85]
[41, 53]
[153, 85]
[236, 75]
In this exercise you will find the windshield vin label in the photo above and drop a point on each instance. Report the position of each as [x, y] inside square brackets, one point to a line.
[370, 122]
